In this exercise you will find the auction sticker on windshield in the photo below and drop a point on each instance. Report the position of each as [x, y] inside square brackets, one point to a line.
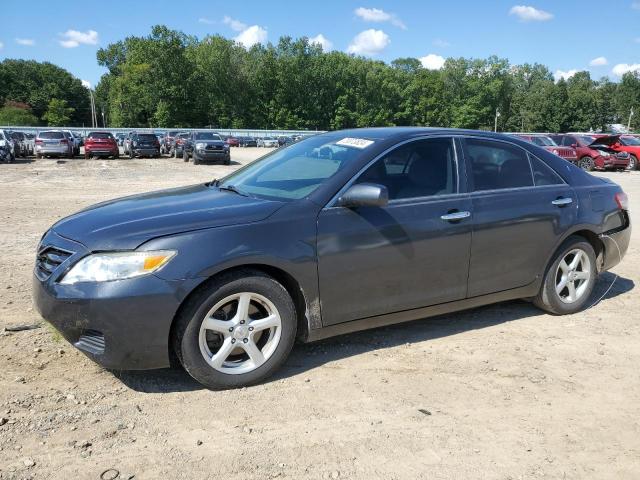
[354, 142]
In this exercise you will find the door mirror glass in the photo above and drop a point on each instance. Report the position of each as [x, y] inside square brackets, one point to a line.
[364, 195]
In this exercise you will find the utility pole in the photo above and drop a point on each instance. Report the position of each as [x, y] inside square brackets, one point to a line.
[629, 122]
[495, 124]
[104, 125]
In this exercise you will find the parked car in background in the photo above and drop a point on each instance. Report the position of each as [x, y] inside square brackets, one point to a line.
[247, 142]
[120, 138]
[592, 155]
[75, 141]
[205, 147]
[232, 141]
[6, 147]
[267, 142]
[546, 142]
[144, 145]
[624, 143]
[169, 139]
[101, 144]
[225, 276]
[284, 140]
[20, 147]
[178, 144]
[29, 139]
[54, 143]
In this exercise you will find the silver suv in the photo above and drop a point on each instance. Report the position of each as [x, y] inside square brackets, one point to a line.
[54, 143]
[6, 147]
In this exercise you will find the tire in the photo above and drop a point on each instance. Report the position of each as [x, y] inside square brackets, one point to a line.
[131, 155]
[633, 163]
[191, 341]
[227, 160]
[116, 156]
[174, 153]
[556, 299]
[196, 160]
[38, 156]
[185, 157]
[586, 163]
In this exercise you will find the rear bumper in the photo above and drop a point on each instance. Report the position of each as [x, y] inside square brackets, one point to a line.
[146, 152]
[52, 149]
[100, 151]
[616, 243]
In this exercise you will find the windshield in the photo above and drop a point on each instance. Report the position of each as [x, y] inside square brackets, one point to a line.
[543, 142]
[586, 139]
[630, 141]
[296, 171]
[207, 136]
[99, 135]
[147, 137]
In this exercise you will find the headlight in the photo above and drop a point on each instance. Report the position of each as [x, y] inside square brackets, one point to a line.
[605, 154]
[200, 145]
[226, 145]
[103, 267]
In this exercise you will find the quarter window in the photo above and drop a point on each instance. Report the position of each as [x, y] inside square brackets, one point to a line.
[497, 165]
[421, 168]
[543, 174]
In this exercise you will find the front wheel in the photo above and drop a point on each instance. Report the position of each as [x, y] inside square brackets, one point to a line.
[633, 163]
[587, 164]
[185, 157]
[236, 332]
[570, 279]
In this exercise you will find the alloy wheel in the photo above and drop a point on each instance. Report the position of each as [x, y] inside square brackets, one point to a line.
[240, 333]
[573, 276]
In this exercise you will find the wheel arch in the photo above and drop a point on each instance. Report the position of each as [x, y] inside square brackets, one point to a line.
[589, 235]
[283, 277]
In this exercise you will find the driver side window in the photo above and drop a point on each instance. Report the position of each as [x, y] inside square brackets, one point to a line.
[422, 168]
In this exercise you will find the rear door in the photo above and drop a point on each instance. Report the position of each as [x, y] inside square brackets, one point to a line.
[520, 206]
[411, 253]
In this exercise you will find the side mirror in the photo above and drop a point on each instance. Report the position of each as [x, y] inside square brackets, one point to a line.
[574, 145]
[364, 195]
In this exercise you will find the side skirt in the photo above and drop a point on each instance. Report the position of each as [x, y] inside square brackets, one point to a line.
[527, 291]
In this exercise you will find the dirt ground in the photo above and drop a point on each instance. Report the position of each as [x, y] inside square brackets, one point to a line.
[501, 392]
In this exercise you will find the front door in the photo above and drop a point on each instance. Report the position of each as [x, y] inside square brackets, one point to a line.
[409, 254]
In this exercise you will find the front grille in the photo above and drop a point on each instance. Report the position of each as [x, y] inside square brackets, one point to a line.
[48, 260]
[214, 147]
[91, 341]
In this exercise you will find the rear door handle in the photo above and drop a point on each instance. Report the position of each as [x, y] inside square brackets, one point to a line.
[452, 217]
[560, 202]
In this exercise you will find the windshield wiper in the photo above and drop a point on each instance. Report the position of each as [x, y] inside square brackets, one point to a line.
[234, 189]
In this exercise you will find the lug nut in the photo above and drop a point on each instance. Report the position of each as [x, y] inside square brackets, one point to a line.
[251, 329]
[233, 340]
[231, 329]
[245, 340]
[241, 321]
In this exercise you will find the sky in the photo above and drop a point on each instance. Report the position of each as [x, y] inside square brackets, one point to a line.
[565, 35]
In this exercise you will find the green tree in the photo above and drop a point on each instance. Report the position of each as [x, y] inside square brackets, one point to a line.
[17, 116]
[58, 114]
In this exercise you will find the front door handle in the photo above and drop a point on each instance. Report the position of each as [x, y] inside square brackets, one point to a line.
[454, 216]
[561, 202]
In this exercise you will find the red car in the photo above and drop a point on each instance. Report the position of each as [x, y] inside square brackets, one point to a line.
[592, 153]
[546, 142]
[625, 143]
[100, 144]
[232, 142]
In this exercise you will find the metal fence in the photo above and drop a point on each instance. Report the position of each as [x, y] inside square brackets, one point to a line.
[236, 132]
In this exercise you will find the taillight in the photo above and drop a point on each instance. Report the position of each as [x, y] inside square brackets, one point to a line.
[38, 141]
[622, 200]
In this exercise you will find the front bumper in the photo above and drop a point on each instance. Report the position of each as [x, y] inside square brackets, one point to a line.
[121, 325]
[612, 162]
[204, 154]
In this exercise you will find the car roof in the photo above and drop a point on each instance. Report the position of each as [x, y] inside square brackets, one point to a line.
[398, 133]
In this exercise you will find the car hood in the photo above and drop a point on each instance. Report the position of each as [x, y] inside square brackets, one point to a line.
[218, 143]
[608, 140]
[126, 223]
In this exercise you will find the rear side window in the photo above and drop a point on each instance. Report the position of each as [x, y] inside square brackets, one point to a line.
[497, 165]
[543, 174]
[422, 168]
[51, 135]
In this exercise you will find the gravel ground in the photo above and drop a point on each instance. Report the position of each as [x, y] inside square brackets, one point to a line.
[502, 392]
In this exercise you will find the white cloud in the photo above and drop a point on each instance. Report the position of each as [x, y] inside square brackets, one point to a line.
[252, 36]
[27, 42]
[235, 25]
[622, 68]
[86, 83]
[369, 42]
[598, 62]
[432, 61]
[74, 38]
[323, 41]
[206, 21]
[438, 42]
[530, 14]
[558, 74]
[378, 16]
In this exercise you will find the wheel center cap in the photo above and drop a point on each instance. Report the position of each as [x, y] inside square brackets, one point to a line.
[240, 332]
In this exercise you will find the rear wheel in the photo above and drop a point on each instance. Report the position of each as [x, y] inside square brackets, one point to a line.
[237, 332]
[586, 163]
[570, 279]
[185, 156]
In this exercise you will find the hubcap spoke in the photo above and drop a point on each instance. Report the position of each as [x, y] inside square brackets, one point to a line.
[264, 323]
[561, 285]
[243, 307]
[219, 326]
[571, 286]
[576, 260]
[254, 352]
[221, 355]
[564, 267]
[582, 275]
